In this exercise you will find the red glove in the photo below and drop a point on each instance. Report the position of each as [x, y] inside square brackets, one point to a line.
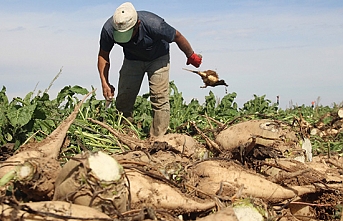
[195, 60]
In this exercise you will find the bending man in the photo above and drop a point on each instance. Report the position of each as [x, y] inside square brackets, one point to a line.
[145, 39]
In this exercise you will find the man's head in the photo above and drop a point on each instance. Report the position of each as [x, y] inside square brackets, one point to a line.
[124, 18]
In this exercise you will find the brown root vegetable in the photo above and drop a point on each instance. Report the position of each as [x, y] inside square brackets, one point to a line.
[36, 177]
[225, 178]
[292, 172]
[266, 133]
[50, 210]
[227, 214]
[184, 144]
[95, 180]
[247, 209]
[331, 166]
[301, 210]
[146, 191]
[340, 113]
[36, 167]
[34, 174]
[209, 77]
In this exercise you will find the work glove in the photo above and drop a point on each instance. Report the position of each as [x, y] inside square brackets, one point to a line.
[195, 60]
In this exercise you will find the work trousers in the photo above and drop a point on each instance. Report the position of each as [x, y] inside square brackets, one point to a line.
[130, 80]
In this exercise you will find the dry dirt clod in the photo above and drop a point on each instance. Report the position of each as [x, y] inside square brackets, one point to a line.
[209, 77]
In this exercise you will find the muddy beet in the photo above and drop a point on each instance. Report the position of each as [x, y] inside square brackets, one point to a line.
[259, 167]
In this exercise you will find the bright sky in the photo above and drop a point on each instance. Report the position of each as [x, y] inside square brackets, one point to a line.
[289, 48]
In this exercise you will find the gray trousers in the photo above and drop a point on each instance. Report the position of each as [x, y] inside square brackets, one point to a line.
[130, 80]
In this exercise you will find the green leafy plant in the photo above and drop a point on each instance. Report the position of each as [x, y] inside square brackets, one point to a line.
[259, 105]
[35, 116]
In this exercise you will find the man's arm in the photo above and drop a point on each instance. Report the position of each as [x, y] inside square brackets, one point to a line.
[103, 68]
[183, 44]
[186, 47]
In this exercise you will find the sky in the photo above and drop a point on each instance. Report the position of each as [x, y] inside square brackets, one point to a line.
[290, 48]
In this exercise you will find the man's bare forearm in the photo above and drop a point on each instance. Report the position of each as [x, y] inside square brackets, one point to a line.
[183, 44]
[103, 66]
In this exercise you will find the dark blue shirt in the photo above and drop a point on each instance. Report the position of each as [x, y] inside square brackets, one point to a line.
[152, 42]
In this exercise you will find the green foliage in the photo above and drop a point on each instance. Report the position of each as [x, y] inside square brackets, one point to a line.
[227, 108]
[180, 112]
[143, 112]
[259, 105]
[19, 116]
[38, 115]
[66, 95]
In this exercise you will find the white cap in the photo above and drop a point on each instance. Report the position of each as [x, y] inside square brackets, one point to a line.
[124, 18]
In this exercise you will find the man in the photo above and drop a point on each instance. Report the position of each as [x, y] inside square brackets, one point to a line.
[145, 39]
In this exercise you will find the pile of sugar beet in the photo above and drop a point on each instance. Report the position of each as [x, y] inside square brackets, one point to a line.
[251, 170]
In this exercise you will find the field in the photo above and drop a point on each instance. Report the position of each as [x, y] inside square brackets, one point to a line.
[217, 162]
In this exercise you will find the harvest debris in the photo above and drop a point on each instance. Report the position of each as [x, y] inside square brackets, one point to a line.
[260, 165]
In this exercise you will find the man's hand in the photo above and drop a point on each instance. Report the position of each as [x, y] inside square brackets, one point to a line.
[108, 92]
[195, 60]
[184, 45]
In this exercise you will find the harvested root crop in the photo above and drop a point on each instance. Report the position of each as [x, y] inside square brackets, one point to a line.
[36, 167]
[340, 113]
[185, 145]
[95, 180]
[291, 172]
[209, 77]
[225, 214]
[257, 132]
[35, 177]
[301, 210]
[48, 210]
[227, 179]
[329, 125]
[246, 210]
[149, 192]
